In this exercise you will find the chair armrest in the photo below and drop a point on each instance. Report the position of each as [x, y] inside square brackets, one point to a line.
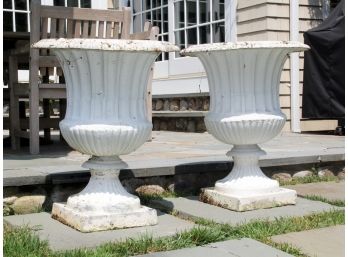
[140, 36]
[154, 33]
[150, 33]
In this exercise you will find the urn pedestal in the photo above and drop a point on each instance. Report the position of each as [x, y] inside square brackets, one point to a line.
[244, 112]
[106, 83]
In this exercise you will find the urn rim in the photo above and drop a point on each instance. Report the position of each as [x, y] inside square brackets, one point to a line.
[118, 45]
[293, 45]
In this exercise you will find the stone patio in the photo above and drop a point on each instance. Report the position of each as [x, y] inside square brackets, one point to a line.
[172, 153]
[168, 153]
[321, 242]
[62, 237]
[244, 247]
[329, 190]
[192, 208]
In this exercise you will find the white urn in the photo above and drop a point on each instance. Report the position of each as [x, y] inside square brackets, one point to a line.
[244, 111]
[106, 82]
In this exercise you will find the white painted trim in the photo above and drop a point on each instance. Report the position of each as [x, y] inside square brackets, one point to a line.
[97, 4]
[122, 3]
[28, 16]
[210, 19]
[294, 69]
[185, 65]
[14, 17]
[47, 2]
[325, 8]
[23, 76]
[161, 70]
[171, 36]
[198, 21]
[175, 86]
[231, 21]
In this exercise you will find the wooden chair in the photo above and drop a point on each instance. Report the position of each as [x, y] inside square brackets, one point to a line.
[58, 22]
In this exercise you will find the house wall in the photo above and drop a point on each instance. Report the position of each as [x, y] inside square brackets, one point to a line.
[270, 20]
[256, 20]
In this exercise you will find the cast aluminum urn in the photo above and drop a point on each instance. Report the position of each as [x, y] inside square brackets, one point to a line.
[106, 117]
[244, 112]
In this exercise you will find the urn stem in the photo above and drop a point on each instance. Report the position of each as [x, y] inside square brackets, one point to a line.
[104, 193]
[246, 176]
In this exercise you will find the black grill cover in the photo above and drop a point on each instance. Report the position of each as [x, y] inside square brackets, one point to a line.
[323, 80]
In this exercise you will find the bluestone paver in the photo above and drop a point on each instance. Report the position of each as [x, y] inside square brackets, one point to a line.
[327, 190]
[169, 153]
[244, 247]
[191, 207]
[62, 237]
[322, 242]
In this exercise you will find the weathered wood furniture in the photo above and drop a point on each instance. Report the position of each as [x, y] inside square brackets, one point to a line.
[58, 22]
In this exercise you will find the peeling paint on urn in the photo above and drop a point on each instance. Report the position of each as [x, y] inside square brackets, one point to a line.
[106, 117]
[245, 111]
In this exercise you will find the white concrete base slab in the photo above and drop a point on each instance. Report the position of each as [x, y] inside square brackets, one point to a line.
[92, 221]
[236, 202]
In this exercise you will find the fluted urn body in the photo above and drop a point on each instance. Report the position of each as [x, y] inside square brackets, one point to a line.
[106, 117]
[245, 111]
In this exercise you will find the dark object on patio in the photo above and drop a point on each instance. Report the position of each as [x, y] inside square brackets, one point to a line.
[323, 82]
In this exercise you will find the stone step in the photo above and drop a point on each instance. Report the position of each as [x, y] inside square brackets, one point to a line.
[244, 247]
[328, 190]
[62, 237]
[192, 208]
[322, 242]
[169, 154]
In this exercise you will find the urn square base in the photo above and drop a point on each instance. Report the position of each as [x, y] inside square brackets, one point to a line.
[92, 221]
[235, 202]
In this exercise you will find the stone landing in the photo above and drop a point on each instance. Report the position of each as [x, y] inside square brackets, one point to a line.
[62, 237]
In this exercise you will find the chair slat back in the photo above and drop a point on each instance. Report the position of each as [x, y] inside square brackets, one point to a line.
[73, 22]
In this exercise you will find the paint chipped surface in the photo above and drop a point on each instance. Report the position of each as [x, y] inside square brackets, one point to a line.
[107, 45]
[243, 45]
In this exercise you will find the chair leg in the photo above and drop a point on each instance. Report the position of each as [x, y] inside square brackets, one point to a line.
[14, 103]
[34, 140]
[34, 129]
[46, 112]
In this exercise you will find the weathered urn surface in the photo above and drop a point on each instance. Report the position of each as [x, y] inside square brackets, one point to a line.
[245, 111]
[106, 117]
